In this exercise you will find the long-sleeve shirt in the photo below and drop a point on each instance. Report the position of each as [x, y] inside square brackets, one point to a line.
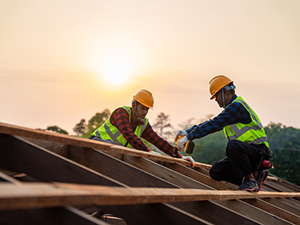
[233, 113]
[120, 119]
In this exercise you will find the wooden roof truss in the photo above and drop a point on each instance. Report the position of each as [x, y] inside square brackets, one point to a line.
[49, 178]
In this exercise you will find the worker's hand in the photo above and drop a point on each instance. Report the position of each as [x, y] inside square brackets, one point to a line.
[189, 158]
[154, 152]
[181, 143]
[182, 132]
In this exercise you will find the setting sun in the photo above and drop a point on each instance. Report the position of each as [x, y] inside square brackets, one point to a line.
[116, 59]
[116, 69]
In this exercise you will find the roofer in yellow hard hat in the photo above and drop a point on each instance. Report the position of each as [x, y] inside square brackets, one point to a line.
[127, 125]
[247, 143]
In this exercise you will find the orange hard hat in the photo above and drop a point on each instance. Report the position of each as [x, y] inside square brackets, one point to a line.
[145, 98]
[217, 83]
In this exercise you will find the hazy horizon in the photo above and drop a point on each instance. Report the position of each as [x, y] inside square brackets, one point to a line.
[62, 61]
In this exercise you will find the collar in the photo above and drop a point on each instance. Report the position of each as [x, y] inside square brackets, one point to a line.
[232, 99]
[140, 122]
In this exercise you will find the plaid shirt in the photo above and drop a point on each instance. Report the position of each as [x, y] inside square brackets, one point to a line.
[233, 113]
[120, 119]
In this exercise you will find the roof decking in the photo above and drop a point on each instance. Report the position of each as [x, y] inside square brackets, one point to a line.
[51, 178]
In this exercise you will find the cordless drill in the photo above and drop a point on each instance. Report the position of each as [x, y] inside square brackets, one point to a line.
[188, 147]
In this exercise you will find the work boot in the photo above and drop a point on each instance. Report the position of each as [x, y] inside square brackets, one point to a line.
[261, 177]
[249, 185]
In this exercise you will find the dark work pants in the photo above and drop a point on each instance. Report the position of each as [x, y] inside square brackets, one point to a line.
[241, 160]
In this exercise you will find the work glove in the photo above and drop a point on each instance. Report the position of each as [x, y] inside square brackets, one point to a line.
[182, 132]
[182, 142]
[189, 158]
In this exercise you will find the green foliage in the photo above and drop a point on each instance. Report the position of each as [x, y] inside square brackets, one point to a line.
[285, 145]
[80, 127]
[56, 129]
[210, 148]
[96, 121]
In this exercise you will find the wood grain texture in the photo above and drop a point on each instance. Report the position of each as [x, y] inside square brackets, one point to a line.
[82, 142]
[36, 195]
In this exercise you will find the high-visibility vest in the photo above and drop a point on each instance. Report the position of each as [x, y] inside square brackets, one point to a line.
[252, 133]
[109, 132]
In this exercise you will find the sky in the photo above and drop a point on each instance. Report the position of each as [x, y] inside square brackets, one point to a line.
[64, 60]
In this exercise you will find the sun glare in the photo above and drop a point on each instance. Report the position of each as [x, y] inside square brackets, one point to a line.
[116, 69]
[116, 59]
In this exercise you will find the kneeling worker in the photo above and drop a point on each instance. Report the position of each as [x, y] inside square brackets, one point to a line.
[127, 125]
[247, 143]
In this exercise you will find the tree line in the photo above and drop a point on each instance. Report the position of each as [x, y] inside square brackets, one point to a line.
[284, 142]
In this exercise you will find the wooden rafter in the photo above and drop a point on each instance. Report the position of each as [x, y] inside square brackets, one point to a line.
[91, 163]
[164, 177]
[36, 195]
[99, 161]
[82, 142]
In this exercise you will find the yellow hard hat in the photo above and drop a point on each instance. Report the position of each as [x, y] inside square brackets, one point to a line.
[145, 98]
[217, 83]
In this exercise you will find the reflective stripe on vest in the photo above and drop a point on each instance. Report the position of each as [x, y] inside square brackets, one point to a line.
[109, 132]
[252, 133]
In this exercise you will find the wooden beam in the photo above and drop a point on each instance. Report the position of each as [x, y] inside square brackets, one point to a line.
[259, 203]
[82, 142]
[43, 165]
[198, 176]
[46, 166]
[102, 163]
[291, 217]
[111, 167]
[285, 203]
[115, 149]
[6, 178]
[262, 204]
[62, 194]
[281, 185]
[50, 136]
[48, 216]
[164, 173]
[157, 158]
[184, 182]
[158, 214]
[39, 216]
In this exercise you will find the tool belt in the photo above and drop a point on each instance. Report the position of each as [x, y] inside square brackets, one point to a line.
[266, 154]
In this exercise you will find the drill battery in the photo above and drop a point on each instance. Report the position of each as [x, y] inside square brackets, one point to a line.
[188, 146]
